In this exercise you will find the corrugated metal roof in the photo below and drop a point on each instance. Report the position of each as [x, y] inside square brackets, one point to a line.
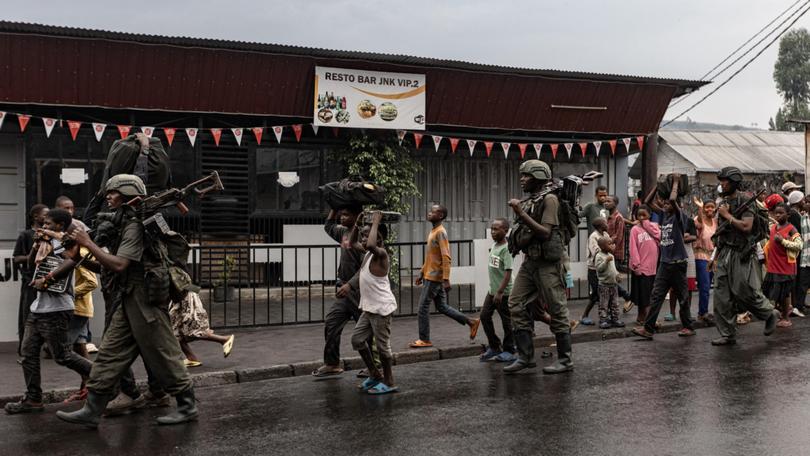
[751, 151]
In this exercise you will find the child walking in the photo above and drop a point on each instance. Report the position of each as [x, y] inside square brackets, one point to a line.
[781, 251]
[378, 304]
[706, 225]
[500, 285]
[600, 230]
[644, 239]
[608, 277]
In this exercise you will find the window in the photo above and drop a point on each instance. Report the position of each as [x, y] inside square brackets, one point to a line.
[301, 196]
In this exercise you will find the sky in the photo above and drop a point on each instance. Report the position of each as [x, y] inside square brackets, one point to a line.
[656, 38]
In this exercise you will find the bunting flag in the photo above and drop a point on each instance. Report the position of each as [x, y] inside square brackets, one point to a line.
[73, 126]
[297, 129]
[640, 140]
[23, 119]
[169, 132]
[98, 129]
[554, 148]
[417, 139]
[336, 131]
[237, 133]
[49, 124]
[505, 147]
[488, 147]
[216, 133]
[123, 130]
[2, 118]
[626, 142]
[453, 144]
[471, 145]
[315, 129]
[257, 132]
[278, 131]
[436, 141]
[583, 147]
[612, 143]
[522, 149]
[192, 135]
[597, 145]
[401, 136]
[568, 147]
[148, 131]
[538, 147]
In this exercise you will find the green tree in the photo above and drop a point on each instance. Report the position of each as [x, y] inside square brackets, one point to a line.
[792, 76]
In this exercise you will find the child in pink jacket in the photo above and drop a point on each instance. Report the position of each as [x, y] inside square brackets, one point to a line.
[644, 239]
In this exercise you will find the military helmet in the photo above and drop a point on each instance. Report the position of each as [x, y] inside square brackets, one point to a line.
[536, 168]
[730, 173]
[126, 184]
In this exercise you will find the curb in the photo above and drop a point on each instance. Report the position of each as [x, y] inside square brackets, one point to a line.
[409, 356]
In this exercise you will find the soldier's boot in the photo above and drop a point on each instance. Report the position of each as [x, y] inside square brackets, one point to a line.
[186, 409]
[564, 361]
[90, 414]
[525, 347]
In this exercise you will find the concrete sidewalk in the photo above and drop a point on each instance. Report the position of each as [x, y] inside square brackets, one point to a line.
[283, 351]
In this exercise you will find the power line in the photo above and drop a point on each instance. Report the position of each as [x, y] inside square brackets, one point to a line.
[678, 101]
[741, 68]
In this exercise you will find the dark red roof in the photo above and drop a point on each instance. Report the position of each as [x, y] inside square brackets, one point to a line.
[77, 67]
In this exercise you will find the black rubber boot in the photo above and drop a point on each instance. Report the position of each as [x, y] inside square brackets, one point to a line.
[564, 361]
[186, 409]
[90, 414]
[525, 348]
[770, 323]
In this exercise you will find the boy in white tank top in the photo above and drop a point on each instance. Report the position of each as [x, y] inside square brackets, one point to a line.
[378, 304]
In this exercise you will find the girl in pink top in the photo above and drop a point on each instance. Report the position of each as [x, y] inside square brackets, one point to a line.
[706, 225]
[644, 239]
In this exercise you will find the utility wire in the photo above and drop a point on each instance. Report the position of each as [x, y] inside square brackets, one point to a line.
[681, 99]
[751, 60]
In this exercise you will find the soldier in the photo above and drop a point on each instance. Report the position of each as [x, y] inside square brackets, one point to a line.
[137, 327]
[542, 272]
[737, 281]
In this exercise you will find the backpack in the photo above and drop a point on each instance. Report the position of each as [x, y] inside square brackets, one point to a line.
[165, 262]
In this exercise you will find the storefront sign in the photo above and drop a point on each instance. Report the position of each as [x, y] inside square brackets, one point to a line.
[369, 99]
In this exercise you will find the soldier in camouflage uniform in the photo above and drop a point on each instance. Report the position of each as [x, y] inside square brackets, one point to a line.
[541, 274]
[737, 283]
[137, 327]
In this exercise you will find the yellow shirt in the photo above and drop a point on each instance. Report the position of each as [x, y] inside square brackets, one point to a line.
[85, 283]
[437, 256]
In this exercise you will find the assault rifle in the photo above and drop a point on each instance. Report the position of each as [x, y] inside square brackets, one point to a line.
[568, 188]
[739, 212]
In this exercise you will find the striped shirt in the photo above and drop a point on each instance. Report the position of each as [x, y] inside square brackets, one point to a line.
[804, 262]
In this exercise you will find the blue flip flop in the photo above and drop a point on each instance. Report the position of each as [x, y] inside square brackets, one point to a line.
[382, 388]
[368, 384]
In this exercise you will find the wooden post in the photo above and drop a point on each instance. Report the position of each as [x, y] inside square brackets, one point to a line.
[649, 163]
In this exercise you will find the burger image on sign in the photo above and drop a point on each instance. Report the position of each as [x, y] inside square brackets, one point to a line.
[388, 111]
[366, 109]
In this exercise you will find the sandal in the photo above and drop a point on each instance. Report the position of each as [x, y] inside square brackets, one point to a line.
[628, 305]
[368, 384]
[190, 363]
[419, 343]
[382, 388]
[474, 328]
[228, 346]
[327, 371]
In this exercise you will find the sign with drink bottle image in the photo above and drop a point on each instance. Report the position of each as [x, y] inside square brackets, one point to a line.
[369, 99]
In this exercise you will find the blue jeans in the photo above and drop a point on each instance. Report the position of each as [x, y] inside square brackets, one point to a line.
[704, 280]
[433, 291]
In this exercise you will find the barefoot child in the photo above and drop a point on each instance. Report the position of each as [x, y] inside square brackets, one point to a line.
[378, 304]
[608, 277]
[644, 238]
[781, 251]
[600, 230]
[500, 285]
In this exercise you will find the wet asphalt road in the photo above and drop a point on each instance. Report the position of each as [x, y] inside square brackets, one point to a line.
[672, 396]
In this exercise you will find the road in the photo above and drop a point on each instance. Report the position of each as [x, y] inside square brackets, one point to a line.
[671, 396]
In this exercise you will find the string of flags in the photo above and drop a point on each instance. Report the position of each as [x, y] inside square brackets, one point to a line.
[192, 133]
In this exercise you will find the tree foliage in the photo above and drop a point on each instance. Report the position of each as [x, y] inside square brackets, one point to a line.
[791, 74]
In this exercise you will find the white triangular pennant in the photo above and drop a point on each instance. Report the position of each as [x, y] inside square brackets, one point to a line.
[626, 142]
[471, 145]
[315, 129]
[436, 141]
[49, 124]
[98, 129]
[278, 131]
[401, 136]
[2, 118]
[537, 148]
[568, 147]
[237, 133]
[597, 145]
[148, 131]
[505, 147]
[192, 135]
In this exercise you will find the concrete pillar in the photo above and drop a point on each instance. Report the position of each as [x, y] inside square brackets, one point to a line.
[622, 182]
[806, 157]
[649, 163]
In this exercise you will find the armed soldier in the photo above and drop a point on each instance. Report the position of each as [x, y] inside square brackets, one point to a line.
[738, 285]
[542, 273]
[139, 325]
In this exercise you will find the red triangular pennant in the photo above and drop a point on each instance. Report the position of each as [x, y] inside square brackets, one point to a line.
[471, 145]
[336, 131]
[278, 131]
[73, 126]
[568, 147]
[417, 139]
[49, 124]
[626, 142]
[237, 133]
[640, 140]
[216, 133]
[612, 143]
[538, 147]
[169, 132]
[554, 148]
[453, 144]
[148, 131]
[23, 119]
[488, 146]
[2, 118]
[583, 147]
[257, 132]
[123, 130]
[98, 129]
[505, 146]
[522, 149]
[192, 135]
[597, 145]
[297, 130]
